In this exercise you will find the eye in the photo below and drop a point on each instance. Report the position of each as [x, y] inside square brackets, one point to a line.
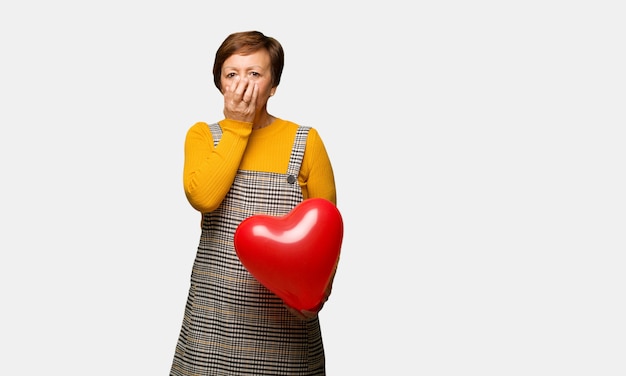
[254, 74]
[230, 75]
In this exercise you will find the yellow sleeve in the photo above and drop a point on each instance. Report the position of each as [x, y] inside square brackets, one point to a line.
[316, 174]
[209, 171]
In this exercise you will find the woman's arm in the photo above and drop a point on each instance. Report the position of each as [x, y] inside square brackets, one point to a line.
[209, 171]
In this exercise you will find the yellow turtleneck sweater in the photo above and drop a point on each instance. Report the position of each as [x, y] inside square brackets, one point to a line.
[209, 171]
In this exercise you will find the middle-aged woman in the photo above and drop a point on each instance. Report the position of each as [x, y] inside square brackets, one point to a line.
[249, 163]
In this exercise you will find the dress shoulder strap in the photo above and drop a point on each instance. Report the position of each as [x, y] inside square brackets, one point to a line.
[216, 131]
[297, 153]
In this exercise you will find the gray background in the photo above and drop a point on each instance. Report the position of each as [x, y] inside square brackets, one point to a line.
[478, 151]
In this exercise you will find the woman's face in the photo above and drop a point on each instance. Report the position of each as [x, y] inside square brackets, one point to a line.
[256, 67]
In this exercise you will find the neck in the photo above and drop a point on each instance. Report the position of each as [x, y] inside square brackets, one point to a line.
[263, 121]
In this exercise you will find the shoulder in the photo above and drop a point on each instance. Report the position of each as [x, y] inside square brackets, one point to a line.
[200, 132]
[293, 127]
[286, 124]
[199, 127]
[314, 143]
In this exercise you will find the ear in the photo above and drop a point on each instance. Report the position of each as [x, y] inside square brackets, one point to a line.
[273, 91]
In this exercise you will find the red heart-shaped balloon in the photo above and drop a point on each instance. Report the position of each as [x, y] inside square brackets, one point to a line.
[294, 255]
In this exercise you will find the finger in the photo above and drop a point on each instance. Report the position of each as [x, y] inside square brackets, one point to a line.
[230, 90]
[296, 313]
[308, 314]
[241, 88]
[231, 86]
[254, 93]
[250, 94]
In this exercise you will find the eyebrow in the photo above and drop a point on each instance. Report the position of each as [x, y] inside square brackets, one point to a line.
[252, 67]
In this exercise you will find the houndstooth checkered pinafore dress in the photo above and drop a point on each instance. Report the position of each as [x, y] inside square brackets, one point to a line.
[233, 325]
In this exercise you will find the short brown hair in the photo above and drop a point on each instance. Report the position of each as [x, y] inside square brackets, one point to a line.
[247, 42]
